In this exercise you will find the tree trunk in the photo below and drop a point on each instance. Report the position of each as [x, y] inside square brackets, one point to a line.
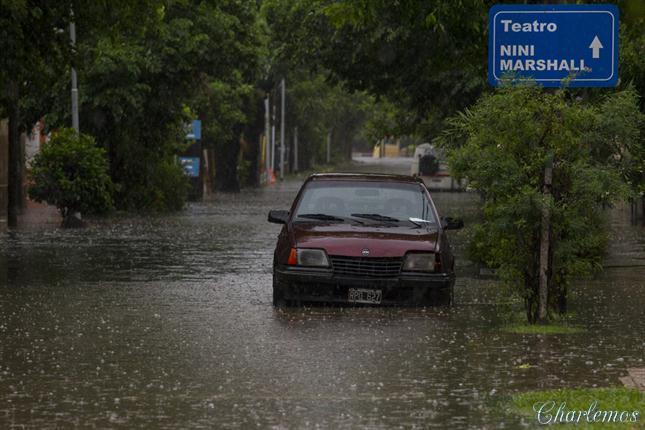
[545, 237]
[328, 155]
[530, 300]
[557, 280]
[15, 156]
[253, 134]
[212, 162]
[226, 164]
[531, 288]
[562, 299]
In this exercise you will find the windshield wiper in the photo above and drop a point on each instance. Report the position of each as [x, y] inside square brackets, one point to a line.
[327, 217]
[377, 217]
[420, 222]
[321, 216]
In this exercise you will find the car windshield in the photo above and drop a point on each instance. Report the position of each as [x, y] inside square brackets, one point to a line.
[368, 201]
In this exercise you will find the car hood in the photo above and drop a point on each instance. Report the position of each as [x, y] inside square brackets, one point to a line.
[350, 240]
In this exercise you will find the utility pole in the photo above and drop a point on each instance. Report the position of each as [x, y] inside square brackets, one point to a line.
[267, 136]
[295, 149]
[272, 159]
[72, 36]
[282, 130]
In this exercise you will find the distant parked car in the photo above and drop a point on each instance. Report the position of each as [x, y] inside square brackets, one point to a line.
[430, 164]
[363, 238]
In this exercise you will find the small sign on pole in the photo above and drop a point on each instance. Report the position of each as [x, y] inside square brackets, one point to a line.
[190, 165]
[549, 43]
[195, 130]
[191, 160]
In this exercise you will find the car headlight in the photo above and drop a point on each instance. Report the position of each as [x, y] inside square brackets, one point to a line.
[308, 257]
[419, 262]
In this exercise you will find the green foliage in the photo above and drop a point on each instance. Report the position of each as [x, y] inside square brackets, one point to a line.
[224, 106]
[317, 100]
[345, 114]
[622, 128]
[423, 56]
[542, 329]
[501, 146]
[317, 107]
[37, 50]
[161, 186]
[385, 119]
[71, 173]
[170, 186]
[428, 58]
[139, 65]
[361, 68]
[244, 169]
[632, 45]
[226, 96]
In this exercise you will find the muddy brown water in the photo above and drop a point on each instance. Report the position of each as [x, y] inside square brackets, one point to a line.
[166, 322]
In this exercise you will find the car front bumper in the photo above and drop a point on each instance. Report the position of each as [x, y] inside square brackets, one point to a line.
[321, 285]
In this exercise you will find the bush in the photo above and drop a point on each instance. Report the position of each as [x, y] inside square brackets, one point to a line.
[158, 185]
[502, 145]
[171, 187]
[71, 173]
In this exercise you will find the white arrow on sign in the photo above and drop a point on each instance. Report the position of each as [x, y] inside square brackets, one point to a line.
[595, 47]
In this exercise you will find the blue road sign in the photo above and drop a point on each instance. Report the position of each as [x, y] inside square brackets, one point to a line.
[195, 130]
[190, 165]
[548, 43]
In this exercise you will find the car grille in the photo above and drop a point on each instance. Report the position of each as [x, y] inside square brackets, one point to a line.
[387, 267]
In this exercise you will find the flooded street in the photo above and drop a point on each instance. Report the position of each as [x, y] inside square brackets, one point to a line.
[166, 322]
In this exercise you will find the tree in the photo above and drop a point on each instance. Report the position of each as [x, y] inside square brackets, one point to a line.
[428, 58]
[71, 173]
[32, 38]
[319, 108]
[140, 73]
[502, 146]
[315, 104]
[227, 99]
[632, 71]
[423, 56]
[222, 107]
[34, 78]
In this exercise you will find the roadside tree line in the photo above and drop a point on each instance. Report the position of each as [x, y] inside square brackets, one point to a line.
[145, 70]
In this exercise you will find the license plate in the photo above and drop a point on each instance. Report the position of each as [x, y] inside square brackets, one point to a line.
[362, 295]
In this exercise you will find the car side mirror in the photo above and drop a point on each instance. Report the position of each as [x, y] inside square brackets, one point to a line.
[449, 223]
[278, 217]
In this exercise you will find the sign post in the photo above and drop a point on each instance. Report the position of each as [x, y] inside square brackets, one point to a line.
[191, 161]
[550, 43]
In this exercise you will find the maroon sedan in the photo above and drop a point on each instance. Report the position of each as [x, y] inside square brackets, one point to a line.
[363, 238]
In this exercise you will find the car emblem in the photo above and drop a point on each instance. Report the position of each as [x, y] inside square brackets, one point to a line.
[365, 252]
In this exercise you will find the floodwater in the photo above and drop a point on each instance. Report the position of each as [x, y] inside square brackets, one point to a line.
[167, 322]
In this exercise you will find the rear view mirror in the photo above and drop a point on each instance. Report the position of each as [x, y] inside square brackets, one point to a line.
[450, 223]
[278, 217]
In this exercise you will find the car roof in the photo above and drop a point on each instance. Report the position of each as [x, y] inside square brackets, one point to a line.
[381, 177]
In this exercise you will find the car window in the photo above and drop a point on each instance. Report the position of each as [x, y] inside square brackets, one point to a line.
[344, 198]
